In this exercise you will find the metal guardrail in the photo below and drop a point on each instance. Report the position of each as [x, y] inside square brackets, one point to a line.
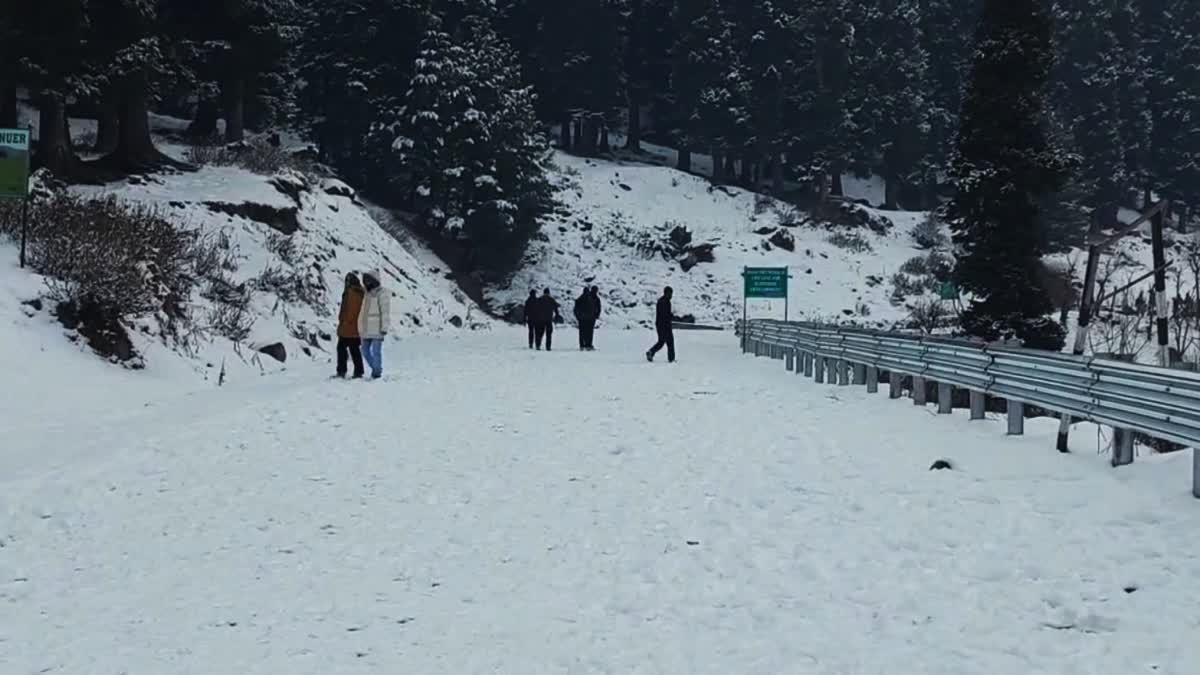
[1128, 397]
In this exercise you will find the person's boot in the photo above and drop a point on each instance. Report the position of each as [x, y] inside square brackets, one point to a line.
[650, 357]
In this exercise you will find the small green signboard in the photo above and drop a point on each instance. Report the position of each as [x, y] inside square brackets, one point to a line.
[766, 282]
[948, 291]
[14, 163]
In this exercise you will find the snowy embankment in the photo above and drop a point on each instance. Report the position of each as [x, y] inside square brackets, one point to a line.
[496, 510]
[290, 238]
[617, 235]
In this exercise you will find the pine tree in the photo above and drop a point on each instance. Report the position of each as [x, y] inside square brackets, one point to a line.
[890, 99]
[708, 81]
[356, 60]
[468, 153]
[647, 43]
[51, 61]
[1006, 164]
[1179, 121]
[947, 37]
[1087, 82]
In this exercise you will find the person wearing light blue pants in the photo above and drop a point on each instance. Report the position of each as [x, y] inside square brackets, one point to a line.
[373, 322]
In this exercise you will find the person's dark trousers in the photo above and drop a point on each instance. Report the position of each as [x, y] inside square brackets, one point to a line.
[583, 336]
[549, 335]
[666, 338]
[588, 330]
[532, 334]
[539, 333]
[349, 349]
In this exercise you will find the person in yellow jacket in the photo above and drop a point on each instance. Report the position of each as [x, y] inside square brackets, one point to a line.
[374, 321]
[349, 341]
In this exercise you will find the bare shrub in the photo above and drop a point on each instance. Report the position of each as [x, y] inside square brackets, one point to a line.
[904, 286]
[928, 233]
[206, 154]
[850, 241]
[918, 266]
[257, 156]
[110, 257]
[283, 246]
[289, 286]
[928, 315]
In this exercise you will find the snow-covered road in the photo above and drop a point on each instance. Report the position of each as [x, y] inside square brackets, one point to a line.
[490, 510]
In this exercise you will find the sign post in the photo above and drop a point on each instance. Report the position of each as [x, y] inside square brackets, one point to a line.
[14, 173]
[764, 282]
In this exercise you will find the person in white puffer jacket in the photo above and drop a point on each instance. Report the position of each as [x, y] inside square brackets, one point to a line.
[374, 321]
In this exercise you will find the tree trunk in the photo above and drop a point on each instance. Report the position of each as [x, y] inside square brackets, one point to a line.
[747, 173]
[684, 160]
[730, 170]
[564, 141]
[109, 123]
[54, 137]
[891, 193]
[603, 125]
[204, 124]
[233, 93]
[8, 104]
[835, 188]
[777, 175]
[135, 151]
[633, 137]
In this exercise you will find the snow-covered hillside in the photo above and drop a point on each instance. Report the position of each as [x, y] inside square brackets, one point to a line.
[617, 235]
[290, 238]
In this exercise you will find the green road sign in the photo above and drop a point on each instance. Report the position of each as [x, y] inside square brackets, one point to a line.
[948, 291]
[14, 163]
[766, 282]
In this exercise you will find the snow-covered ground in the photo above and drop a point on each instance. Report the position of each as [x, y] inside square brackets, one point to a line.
[489, 509]
[615, 206]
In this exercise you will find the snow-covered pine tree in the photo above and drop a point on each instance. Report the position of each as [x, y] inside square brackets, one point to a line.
[1179, 118]
[1087, 88]
[890, 98]
[762, 30]
[469, 155]
[947, 37]
[1005, 165]
[647, 41]
[355, 62]
[49, 58]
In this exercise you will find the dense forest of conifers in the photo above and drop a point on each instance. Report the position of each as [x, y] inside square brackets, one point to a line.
[443, 106]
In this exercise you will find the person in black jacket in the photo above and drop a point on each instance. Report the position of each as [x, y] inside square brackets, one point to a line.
[545, 314]
[530, 311]
[595, 317]
[585, 317]
[662, 323]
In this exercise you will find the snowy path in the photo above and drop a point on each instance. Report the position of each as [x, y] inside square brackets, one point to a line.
[490, 510]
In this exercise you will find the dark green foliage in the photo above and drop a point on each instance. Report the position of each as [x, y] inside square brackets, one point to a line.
[1006, 164]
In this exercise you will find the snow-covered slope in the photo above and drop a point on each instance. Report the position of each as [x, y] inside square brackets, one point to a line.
[496, 510]
[616, 210]
[291, 238]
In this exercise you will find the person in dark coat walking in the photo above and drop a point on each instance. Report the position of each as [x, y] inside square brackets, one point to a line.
[530, 312]
[349, 343]
[545, 314]
[585, 317]
[663, 317]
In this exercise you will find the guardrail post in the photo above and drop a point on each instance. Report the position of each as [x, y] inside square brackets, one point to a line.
[895, 384]
[978, 401]
[1122, 447]
[843, 373]
[791, 360]
[819, 370]
[860, 374]
[872, 380]
[809, 358]
[1196, 473]
[1016, 418]
[918, 392]
[945, 398]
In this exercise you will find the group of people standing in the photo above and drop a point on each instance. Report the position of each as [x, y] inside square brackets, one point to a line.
[363, 322]
[542, 312]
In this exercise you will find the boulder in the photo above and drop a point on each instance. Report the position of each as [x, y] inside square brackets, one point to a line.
[275, 350]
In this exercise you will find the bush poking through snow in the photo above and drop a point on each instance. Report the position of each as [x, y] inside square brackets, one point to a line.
[290, 286]
[917, 266]
[850, 241]
[928, 234]
[256, 156]
[928, 315]
[283, 246]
